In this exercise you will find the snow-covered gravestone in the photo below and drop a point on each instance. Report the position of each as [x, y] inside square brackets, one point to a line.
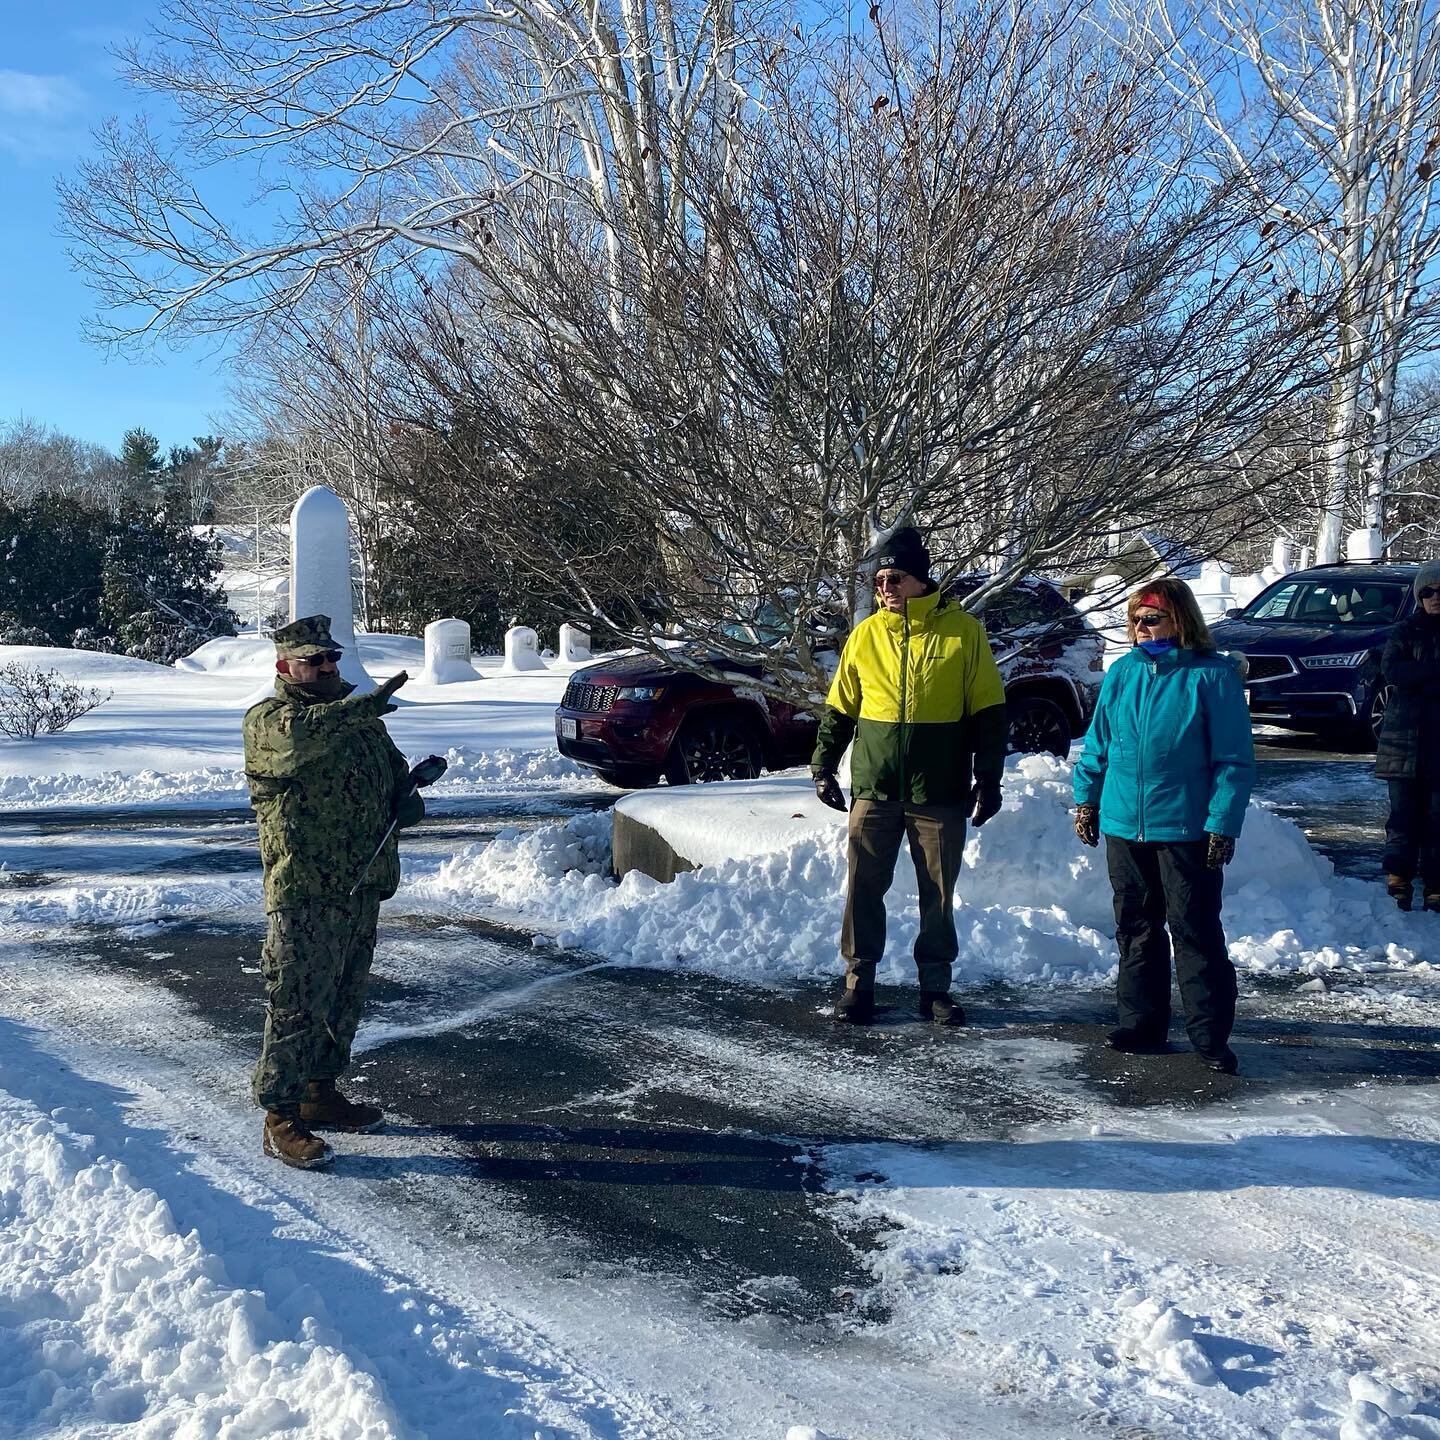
[320, 573]
[522, 651]
[447, 654]
[574, 645]
[1363, 545]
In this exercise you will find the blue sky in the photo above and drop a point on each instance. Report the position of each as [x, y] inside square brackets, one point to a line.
[56, 82]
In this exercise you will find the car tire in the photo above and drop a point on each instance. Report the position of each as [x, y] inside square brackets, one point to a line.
[1037, 726]
[1361, 735]
[639, 778]
[719, 747]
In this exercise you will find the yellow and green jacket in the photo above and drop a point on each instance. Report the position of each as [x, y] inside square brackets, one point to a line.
[921, 696]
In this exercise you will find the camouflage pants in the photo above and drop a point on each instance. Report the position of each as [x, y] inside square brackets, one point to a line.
[316, 961]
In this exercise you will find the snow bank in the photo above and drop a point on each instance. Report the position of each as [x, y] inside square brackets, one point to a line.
[170, 735]
[1032, 906]
[110, 1315]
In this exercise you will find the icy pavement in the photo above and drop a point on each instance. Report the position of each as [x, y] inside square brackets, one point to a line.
[627, 1202]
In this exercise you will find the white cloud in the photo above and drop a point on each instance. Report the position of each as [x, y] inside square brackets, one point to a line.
[39, 97]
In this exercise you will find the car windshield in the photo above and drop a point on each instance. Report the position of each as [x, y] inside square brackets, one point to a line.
[1329, 602]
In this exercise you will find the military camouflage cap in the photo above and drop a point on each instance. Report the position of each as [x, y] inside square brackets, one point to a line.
[302, 638]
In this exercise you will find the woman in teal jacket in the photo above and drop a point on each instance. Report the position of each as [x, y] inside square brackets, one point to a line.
[1165, 777]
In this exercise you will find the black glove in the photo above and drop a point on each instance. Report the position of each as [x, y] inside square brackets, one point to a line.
[1219, 851]
[827, 787]
[1087, 824]
[984, 800]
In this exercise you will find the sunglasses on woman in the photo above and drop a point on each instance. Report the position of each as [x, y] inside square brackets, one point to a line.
[1429, 593]
[1150, 621]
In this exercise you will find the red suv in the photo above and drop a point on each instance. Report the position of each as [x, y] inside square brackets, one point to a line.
[634, 718]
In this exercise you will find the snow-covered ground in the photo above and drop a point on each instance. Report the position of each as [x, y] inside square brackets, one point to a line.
[1034, 904]
[1260, 1264]
[171, 735]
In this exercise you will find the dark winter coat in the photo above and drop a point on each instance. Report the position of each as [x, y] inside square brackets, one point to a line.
[1411, 730]
[325, 780]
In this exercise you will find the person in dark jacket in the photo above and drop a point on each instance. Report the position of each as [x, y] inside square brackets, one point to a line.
[1408, 756]
[1165, 776]
[919, 693]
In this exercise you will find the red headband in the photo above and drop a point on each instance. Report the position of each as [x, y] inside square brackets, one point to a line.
[1152, 598]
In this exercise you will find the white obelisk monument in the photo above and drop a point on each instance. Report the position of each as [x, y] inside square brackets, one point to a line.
[320, 573]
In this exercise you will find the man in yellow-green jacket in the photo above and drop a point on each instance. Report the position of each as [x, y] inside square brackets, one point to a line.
[919, 693]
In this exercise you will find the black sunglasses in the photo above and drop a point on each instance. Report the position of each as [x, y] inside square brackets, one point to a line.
[1429, 593]
[891, 580]
[333, 656]
[1149, 622]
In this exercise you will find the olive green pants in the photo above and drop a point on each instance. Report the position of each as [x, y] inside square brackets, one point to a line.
[316, 962]
[937, 841]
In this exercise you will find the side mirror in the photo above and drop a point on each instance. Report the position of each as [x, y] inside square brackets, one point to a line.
[1234, 612]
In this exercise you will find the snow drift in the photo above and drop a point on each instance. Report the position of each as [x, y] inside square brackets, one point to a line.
[1033, 905]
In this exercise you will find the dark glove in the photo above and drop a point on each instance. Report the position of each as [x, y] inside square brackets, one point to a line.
[1219, 851]
[827, 787]
[1087, 824]
[984, 800]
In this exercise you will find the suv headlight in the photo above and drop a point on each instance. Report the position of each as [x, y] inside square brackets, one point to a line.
[1334, 662]
[639, 692]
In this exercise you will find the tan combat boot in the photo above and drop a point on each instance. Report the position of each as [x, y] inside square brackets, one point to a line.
[288, 1138]
[325, 1108]
[1401, 890]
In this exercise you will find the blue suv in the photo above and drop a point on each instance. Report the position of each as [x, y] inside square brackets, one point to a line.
[1313, 641]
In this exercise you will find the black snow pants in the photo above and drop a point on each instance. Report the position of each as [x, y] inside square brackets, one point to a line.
[1412, 833]
[1169, 884]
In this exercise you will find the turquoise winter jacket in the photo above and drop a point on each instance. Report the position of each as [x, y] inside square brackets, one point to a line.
[1169, 755]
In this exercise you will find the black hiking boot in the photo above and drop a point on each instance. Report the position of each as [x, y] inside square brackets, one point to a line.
[1136, 1042]
[287, 1138]
[937, 1007]
[325, 1108]
[1223, 1061]
[856, 1007]
[1401, 891]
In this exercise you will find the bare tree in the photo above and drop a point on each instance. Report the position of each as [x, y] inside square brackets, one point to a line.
[1329, 112]
[403, 129]
[967, 282]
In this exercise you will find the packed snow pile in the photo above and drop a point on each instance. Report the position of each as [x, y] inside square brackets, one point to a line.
[1033, 904]
[110, 1314]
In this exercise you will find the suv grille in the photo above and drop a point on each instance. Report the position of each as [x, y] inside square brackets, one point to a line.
[579, 696]
[1268, 667]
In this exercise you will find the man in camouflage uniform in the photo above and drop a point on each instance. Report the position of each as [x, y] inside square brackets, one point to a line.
[325, 781]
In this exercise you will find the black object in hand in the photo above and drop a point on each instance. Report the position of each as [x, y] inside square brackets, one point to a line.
[428, 771]
[827, 787]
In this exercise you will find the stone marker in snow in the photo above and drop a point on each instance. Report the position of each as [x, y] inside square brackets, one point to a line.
[522, 651]
[320, 573]
[574, 645]
[447, 654]
[1364, 545]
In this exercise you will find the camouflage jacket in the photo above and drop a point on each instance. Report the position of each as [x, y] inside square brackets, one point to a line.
[325, 777]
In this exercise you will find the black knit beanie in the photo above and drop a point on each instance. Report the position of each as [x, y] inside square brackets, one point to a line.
[906, 551]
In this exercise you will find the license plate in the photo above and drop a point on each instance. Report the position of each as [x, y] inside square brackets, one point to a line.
[569, 729]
